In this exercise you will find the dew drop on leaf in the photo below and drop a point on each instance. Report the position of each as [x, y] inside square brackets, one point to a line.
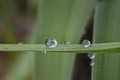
[92, 63]
[86, 43]
[66, 42]
[91, 56]
[44, 52]
[51, 43]
[20, 43]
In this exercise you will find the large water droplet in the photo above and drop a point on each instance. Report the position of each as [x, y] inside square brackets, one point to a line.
[86, 43]
[51, 43]
[66, 42]
[91, 56]
[44, 52]
[92, 63]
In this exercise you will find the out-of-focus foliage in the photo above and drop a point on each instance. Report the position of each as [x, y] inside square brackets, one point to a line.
[106, 29]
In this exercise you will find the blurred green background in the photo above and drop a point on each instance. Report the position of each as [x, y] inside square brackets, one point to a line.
[33, 21]
[17, 21]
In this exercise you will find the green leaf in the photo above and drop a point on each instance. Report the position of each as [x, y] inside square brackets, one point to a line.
[106, 29]
[76, 48]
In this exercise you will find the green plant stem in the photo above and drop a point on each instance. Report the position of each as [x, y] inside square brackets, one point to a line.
[101, 47]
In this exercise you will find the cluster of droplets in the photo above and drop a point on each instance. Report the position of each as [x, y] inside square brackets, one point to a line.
[43, 52]
[52, 43]
[92, 57]
[86, 44]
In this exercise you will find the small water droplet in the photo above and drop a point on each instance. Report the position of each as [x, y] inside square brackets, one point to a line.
[92, 63]
[66, 42]
[51, 43]
[86, 43]
[91, 56]
[20, 43]
[44, 52]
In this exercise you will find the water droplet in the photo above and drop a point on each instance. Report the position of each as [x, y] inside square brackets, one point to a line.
[44, 52]
[86, 43]
[92, 63]
[20, 43]
[66, 42]
[91, 56]
[51, 43]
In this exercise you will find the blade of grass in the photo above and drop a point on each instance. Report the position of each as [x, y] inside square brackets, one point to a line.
[76, 48]
[106, 29]
[63, 20]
